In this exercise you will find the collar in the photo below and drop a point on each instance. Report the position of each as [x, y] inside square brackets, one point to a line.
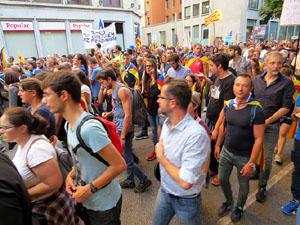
[182, 124]
[235, 103]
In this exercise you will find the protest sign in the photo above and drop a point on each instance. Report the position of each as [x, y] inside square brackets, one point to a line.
[290, 13]
[228, 39]
[107, 37]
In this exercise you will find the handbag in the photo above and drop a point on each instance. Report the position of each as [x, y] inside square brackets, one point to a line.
[157, 171]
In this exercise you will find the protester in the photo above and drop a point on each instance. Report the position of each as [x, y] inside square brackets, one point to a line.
[239, 63]
[177, 70]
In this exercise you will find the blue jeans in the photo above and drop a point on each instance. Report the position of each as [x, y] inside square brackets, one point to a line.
[270, 141]
[107, 217]
[188, 210]
[226, 163]
[132, 168]
[154, 124]
[295, 156]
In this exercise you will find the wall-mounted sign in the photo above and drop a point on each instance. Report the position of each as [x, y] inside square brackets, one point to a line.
[16, 26]
[79, 26]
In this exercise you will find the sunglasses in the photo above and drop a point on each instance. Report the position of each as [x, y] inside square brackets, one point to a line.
[162, 97]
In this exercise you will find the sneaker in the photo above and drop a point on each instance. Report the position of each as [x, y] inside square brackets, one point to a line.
[236, 214]
[290, 208]
[142, 187]
[124, 184]
[278, 159]
[215, 181]
[224, 209]
[152, 156]
[2, 149]
[261, 195]
[141, 136]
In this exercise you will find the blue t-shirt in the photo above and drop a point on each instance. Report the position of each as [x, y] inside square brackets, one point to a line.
[88, 168]
[297, 135]
[96, 85]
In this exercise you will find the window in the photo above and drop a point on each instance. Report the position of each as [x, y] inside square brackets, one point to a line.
[180, 2]
[195, 34]
[149, 38]
[41, 1]
[147, 7]
[174, 17]
[187, 12]
[148, 21]
[79, 2]
[167, 18]
[205, 7]
[253, 4]
[196, 10]
[180, 16]
[112, 3]
[167, 4]
[250, 26]
[173, 37]
[173, 4]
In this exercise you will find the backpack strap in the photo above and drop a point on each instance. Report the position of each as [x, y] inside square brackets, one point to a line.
[26, 158]
[252, 115]
[83, 145]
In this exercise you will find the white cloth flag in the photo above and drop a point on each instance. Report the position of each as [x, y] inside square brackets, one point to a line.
[107, 37]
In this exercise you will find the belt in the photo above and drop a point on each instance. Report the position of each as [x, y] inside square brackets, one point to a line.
[185, 196]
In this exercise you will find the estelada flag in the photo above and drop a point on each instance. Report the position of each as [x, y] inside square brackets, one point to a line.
[214, 17]
[138, 37]
[21, 60]
[250, 38]
[2, 58]
[132, 70]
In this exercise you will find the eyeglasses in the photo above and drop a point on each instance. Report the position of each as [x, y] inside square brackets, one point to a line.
[162, 97]
[5, 128]
[149, 65]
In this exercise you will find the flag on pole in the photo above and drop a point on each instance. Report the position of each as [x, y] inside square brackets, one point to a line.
[167, 45]
[2, 58]
[271, 39]
[250, 38]
[138, 37]
[21, 60]
[235, 39]
[214, 17]
[230, 34]
[101, 26]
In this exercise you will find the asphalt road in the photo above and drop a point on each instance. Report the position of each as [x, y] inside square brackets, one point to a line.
[137, 209]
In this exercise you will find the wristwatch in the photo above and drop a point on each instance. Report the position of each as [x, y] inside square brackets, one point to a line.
[93, 188]
[252, 165]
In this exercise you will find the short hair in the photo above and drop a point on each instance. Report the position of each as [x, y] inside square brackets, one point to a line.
[52, 59]
[220, 59]
[42, 75]
[129, 51]
[17, 69]
[236, 48]
[64, 80]
[118, 47]
[179, 90]
[105, 73]
[41, 60]
[246, 75]
[263, 46]
[98, 45]
[267, 55]
[11, 77]
[93, 60]
[126, 54]
[197, 44]
[13, 59]
[174, 57]
[65, 66]
[32, 84]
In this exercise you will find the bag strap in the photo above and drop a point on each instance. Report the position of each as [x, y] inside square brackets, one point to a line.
[26, 158]
[252, 115]
[82, 143]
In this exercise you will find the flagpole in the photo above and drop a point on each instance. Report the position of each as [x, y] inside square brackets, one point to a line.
[208, 7]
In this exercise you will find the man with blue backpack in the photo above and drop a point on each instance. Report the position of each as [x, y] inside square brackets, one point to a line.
[243, 127]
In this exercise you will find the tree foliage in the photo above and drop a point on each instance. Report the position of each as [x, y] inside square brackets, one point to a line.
[271, 9]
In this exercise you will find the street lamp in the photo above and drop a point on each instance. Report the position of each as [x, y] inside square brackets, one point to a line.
[208, 7]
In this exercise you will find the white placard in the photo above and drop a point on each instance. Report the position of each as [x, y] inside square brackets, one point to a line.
[290, 15]
[16, 26]
[107, 37]
[52, 26]
[79, 26]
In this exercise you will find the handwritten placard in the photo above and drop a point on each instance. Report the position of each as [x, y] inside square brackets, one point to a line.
[107, 37]
[290, 15]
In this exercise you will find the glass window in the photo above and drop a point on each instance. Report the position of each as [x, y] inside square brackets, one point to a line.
[205, 7]
[180, 2]
[42, 1]
[180, 16]
[148, 21]
[250, 27]
[196, 10]
[112, 3]
[253, 4]
[282, 33]
[173, 37]
[204, 34]
[147, 7]
[167, 4]
[167, 18]
[173, 17]
[173, 4]
[187, 12]
[162, 36]
[273, 29]
[79, 2]
[149, 38]
[188, 29]
[195, 34]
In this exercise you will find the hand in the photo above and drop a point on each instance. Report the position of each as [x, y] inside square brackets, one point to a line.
[267, 123]
[200, 75]
[217, 152]
[159, 150]
[82, 193]
[214, 135]
[104, 115]
[123, 141]
[247, 170]
[70, 186]
[137, 87]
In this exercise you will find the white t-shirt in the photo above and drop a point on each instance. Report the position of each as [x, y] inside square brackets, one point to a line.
[86, 89]
[41, 151]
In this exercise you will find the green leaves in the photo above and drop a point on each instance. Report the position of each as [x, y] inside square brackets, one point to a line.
[271, 9]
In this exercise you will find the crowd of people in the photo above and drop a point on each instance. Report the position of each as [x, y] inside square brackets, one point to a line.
[247, 95]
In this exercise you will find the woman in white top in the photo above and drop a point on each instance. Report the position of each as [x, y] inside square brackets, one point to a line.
[36, 162]
[85, 88]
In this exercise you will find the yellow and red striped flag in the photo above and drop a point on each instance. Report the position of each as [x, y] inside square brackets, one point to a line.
[138, 37]
[167, 45]
[2, 58]
[214, 17]
[21, 60]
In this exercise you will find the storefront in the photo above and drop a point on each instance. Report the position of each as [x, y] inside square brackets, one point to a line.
[76, 36]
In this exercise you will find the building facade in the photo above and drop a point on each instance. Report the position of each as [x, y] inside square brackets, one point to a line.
[240, 18]
[42, 27]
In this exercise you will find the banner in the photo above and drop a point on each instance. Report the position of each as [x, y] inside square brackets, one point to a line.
[290, 13]
[107, 37]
